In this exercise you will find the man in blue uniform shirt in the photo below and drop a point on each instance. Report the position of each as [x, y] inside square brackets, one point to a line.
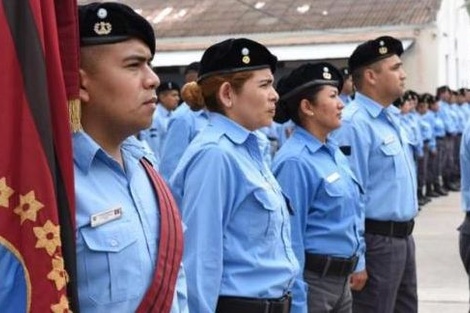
[378, 152]
[122, 203]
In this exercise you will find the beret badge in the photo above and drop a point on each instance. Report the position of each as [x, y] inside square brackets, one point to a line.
[382, 49]
[102, 28]
[246, 57]
[326, 73]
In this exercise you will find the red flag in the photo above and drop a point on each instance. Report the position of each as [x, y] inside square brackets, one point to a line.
[38, 76]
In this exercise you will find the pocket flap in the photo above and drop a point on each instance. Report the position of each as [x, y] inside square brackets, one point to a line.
[108, 239]
[391, 148]
[265, 199]
[334, 189]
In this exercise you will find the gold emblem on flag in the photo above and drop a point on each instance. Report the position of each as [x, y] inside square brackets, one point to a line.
[5, 193]
[58, 274]
[28, 207]
[48, 237]
[103, 28]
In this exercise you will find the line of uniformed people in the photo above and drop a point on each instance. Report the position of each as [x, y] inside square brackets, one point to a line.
[434, 128]
[323, 195]
[319, 230]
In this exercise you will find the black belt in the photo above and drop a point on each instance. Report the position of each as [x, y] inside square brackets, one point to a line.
[389, 228]
[227, 304]
[326, 265]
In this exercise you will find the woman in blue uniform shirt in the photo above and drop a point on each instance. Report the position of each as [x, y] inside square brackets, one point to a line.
[327, 226]
[238, 253]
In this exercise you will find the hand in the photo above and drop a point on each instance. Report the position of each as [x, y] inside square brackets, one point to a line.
[357, 281]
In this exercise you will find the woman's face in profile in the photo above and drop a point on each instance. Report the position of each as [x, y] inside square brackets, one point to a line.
[327, 109]
[254, 106]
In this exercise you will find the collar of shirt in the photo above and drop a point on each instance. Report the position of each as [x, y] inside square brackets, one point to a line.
[234, 131]
[202, 113]
[311, 142]
[86, 149]
[162, 111]
[372, 107]
[238, 134]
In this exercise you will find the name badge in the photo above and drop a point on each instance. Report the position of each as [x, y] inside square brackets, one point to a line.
[333, 177]
[389, 139]
[105, 217]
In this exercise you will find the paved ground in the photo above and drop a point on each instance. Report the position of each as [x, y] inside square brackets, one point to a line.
[442, 282]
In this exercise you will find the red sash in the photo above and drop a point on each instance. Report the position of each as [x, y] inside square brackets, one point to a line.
[159, 296]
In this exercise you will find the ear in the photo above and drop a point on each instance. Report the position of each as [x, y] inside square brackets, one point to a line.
[84, 81]
[225, 94]
[306, 108]
[370, 76]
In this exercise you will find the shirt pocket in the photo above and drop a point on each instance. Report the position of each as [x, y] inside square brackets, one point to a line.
[337, 205]
[112, 263]
[334, 189]
[265, 217]
[395, 152]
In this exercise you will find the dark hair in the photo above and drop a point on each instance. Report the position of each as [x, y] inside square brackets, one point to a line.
[442, 89]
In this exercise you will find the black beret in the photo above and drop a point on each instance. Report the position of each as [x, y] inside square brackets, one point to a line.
[299, 80]
[111, 22]
[168, 85]
[374, 50]
[235, 55]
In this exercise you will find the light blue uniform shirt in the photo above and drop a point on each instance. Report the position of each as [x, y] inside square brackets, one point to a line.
[447, 117]
[437, 123]
[382, 164]
[459, 117]
[346, 99]
[427, 131]
[465, 166]
[116, 260]
[411, 127]
[181, 131]
[238, 240]
[466, 109]
[325, 195]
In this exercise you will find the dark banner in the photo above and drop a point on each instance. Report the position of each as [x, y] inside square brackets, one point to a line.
[38, 78]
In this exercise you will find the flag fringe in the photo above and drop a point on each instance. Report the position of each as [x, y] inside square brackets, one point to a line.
[74, 115]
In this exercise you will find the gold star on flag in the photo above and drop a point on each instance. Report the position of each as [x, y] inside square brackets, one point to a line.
[28, 207]
[58, 273]
[62, 306]
[5, 192]
[48, 237]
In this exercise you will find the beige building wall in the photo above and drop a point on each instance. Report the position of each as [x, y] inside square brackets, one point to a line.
[420, 61]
